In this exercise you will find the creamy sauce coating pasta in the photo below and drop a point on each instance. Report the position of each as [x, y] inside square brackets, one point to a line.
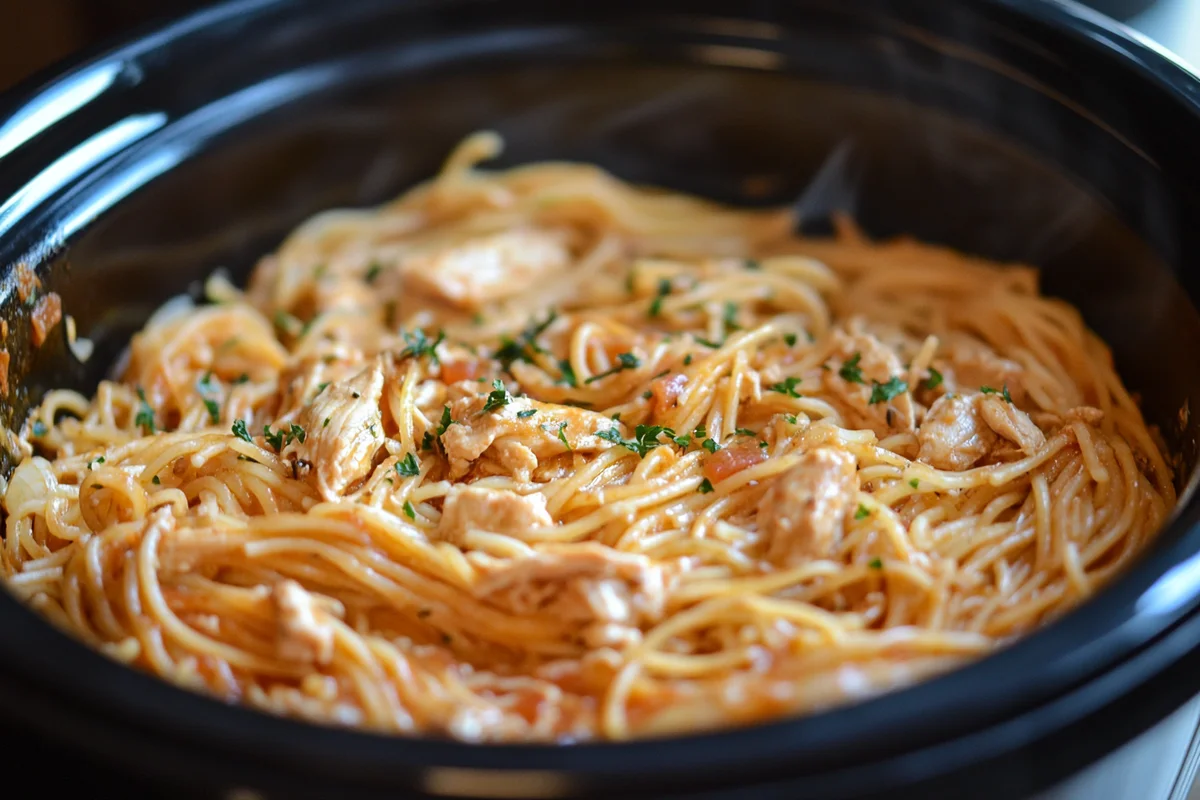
[540, 455]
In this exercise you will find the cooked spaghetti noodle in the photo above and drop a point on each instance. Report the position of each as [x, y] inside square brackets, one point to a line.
[539, 455]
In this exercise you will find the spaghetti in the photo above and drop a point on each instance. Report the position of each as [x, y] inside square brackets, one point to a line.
[539, 455]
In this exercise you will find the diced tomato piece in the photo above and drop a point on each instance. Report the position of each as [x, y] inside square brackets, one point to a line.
[738, 456]
[667, 390]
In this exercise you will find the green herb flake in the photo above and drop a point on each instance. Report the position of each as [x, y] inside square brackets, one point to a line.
[145, 414]
[427, 441]
[914, 483]
[645, 438]
[743, 432]
[408, 467]
[320, 388]
[752, 263]
[155, 481]
[705, 486]
[687, 360]
[325, 424]
[498, 398]
[274, 438]
[239, 430]
[446, 420]
[568, 374]
[214, 410]
[791, 419]
[624, 361]
[39, 428]
[850, 370]
[664, 289]
[410, 512]
[373, 272]
[683, 440]
[787, 386]
[97, 460]
[862, 513]
[934, 380]
[710, 445]
[523, 347]
[1002, 392]
[420, 345]
[875, 563]
[882, 392]
[646, 395]
[243, 378]
[729, 317]
[527, 413]
[562, 435]
[789, 339]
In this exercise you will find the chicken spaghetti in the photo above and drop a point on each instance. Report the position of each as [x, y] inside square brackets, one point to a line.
[538, 455]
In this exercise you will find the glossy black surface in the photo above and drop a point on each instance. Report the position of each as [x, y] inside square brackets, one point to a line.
[1011, 129]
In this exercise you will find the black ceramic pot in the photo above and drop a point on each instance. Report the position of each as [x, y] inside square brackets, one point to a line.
[1017, 129]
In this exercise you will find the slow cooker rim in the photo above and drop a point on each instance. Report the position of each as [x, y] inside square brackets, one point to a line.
[1168, 72]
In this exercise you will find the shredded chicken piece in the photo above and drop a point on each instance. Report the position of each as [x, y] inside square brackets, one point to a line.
[488, 268]
[519, 442]
[1011, 423]
[603, 593]
[343, 431]
[960, 431]
[301, 635]
[953, 435]
[304, 381]
[967, 364]
[803, 513]
[877, 364]
[468, 508]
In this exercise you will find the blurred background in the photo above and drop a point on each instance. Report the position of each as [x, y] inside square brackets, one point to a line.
[36, 33]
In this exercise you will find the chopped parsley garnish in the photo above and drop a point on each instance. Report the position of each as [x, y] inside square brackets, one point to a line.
[914, 483]
[624, 361]
[708, 342]
[243, 378]
[145, 414]
[408, 466]
[206, 389]
[934, 380]
[683, 440]
[522, 348]
[882, 392]
[321, 387]
[744, 432]
[687, 360]
[645, 438]
[446, 420]
[239, 430]
[527, 413]
[850, 370]
[664, 289]
[97, 460]
[787, 386]
[646, 395]
[710, 445]
[282, 438]
[1002, 392]
[791, 419]
[39, 428]
[427, 441]
[498, 398]
[568, 374]
[875, 563]
[752, 263]
[325, 424]
[562, 436]
[410, 512]
[862, 513]
[789, 339]
[156, 481]
[705, 486]
[373, 272]
[420, 345]
[729, 317]
[700, 432]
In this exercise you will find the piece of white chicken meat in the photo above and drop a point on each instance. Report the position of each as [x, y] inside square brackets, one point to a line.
[303, 629]
[470, 508]
[802, 516]
[598, 593]
[519, 435]
[866, 376]
[489, 268]
[962, 430]
[343, 432]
